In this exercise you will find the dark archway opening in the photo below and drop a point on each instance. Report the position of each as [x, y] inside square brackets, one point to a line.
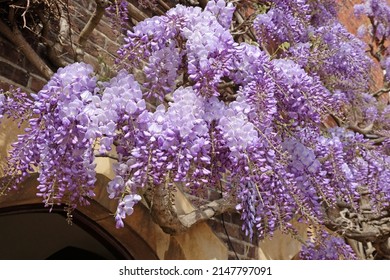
[31, 232]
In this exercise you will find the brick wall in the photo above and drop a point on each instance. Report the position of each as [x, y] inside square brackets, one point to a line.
[16, 70]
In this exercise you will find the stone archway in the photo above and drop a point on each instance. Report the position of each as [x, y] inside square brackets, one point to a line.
[31, 232]
[141, 237]
[95, 220]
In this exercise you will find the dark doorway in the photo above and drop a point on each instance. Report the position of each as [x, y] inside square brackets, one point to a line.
[30, 232]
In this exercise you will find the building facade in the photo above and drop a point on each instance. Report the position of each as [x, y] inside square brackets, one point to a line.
[23, 217]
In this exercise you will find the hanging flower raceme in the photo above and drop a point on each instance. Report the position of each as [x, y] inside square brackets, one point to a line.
[55, 141]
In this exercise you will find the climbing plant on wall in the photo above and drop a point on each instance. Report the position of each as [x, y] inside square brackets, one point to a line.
[269, 102]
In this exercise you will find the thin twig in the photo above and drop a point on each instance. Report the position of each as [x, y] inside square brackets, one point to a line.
[379, 92]
[366, 130]
[24, 13]
[105, 155]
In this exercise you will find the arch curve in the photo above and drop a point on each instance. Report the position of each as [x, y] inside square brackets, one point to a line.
[96, 219]
[140, 238]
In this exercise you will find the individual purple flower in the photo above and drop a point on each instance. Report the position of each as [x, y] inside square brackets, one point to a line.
[2, 103]
[125, 208]
[116, 187]
[222, 11]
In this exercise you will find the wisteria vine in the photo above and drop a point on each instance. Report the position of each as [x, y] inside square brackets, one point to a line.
[191, 105]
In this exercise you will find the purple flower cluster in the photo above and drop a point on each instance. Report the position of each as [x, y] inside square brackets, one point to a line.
[344, 57]
[237, 131]
[316, 41]
[276, 193]
[120, 102]
[125, 208]
[337, 58]
[15, 104]
[175, 144]
[263, 104]
[324, 246]
[2, 103]
[286, 21]
[117, 12]
[384, 117]
[323, 11]
[55, 142]
[348, 172]
[340, 180]
[247, 206]
[209, 53]
[158, 46]
[379, 12]
[311, 183]
[222, 11]
[161, 71]
[303, 98]
[250, 63]
[303, 159]
[372, 171]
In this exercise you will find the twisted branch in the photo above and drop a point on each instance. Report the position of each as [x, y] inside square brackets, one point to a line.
[93, 21]
[164, 213]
